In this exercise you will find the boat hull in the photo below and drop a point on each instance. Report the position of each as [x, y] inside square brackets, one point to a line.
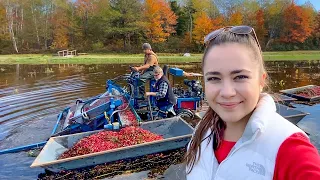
[175, 131]
[292, 93]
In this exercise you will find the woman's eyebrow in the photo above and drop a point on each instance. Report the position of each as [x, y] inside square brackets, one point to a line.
[237, 71]
[212, 73]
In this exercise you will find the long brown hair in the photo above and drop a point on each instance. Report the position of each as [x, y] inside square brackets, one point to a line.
[211, 121]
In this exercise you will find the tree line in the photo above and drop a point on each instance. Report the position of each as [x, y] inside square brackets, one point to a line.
[38, 26]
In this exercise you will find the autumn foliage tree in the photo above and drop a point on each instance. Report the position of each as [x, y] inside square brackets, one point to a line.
[60, 33]
[122, 25]
[297, 27]
[4, 34]
[3, 23]
[84, 8]
[203, 26]
[259, 27]
[160, 20]
[168, 17]
[235, 19]
[218, 22]
[316, 30]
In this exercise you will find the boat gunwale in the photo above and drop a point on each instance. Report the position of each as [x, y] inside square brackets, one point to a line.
[36, 164]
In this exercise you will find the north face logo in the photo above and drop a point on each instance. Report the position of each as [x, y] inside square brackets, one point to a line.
[257, 168]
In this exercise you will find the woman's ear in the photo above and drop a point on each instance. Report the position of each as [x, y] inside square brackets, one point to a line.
[263, 81]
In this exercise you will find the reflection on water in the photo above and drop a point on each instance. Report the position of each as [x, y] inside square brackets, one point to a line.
[31, 91]
[32, 95]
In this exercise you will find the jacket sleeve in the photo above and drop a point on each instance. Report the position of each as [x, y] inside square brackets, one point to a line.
[202, 169]
[297, 159]
[198, 171]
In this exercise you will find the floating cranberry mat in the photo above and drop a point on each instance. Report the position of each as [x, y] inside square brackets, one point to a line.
[304, 93]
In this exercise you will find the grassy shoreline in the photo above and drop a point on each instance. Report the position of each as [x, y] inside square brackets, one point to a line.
[138, 58]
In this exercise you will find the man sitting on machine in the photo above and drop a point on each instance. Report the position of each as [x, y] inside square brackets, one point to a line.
[150, 61]
[165, 99]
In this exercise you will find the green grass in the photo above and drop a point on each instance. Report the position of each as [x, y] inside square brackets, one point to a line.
[291, 55]
[138, 58]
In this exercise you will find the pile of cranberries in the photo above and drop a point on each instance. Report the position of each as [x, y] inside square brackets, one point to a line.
[106, 140]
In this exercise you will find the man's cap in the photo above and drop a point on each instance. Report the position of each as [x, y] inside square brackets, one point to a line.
[146, 46]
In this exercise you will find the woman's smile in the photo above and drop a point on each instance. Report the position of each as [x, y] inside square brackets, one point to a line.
[229, 105]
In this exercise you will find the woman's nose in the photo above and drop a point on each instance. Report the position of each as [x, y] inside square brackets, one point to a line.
[227, 90]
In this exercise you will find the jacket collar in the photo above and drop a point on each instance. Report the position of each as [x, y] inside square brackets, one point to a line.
[258, 121]
[260, 117]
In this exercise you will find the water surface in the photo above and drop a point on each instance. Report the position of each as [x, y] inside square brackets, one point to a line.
[31, 96]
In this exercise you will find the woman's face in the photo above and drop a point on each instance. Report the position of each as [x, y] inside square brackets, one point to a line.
[233, 81]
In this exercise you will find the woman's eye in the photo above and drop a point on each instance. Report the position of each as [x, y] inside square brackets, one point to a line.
[241, 77]
[213, 79]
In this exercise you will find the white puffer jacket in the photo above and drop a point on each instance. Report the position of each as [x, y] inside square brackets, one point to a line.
[254, 154]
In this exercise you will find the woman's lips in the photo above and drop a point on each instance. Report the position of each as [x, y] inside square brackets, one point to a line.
[229, 105]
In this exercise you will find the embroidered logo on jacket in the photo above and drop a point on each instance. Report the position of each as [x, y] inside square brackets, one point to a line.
[257, 168]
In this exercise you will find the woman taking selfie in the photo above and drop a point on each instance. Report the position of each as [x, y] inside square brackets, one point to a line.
[241, 136]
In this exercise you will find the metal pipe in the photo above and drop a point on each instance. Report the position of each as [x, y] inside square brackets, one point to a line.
[23, 148]
[57, 123]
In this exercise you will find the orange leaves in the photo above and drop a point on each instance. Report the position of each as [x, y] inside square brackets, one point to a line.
[235, 19]
[84, 7]
[154, 31]
[168, 16]
[297, 26]
[160, 20]
[259, 18]
[259, 28]
[60, 32]
[203, 26]
[218, 22]
[316, 30]
[3, 23]
[83, 23]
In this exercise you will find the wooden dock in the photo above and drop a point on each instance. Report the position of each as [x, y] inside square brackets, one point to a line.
[67, 53]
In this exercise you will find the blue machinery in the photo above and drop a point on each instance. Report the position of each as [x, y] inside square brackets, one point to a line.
[187, 99]
[105, 115]
[102, 117]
